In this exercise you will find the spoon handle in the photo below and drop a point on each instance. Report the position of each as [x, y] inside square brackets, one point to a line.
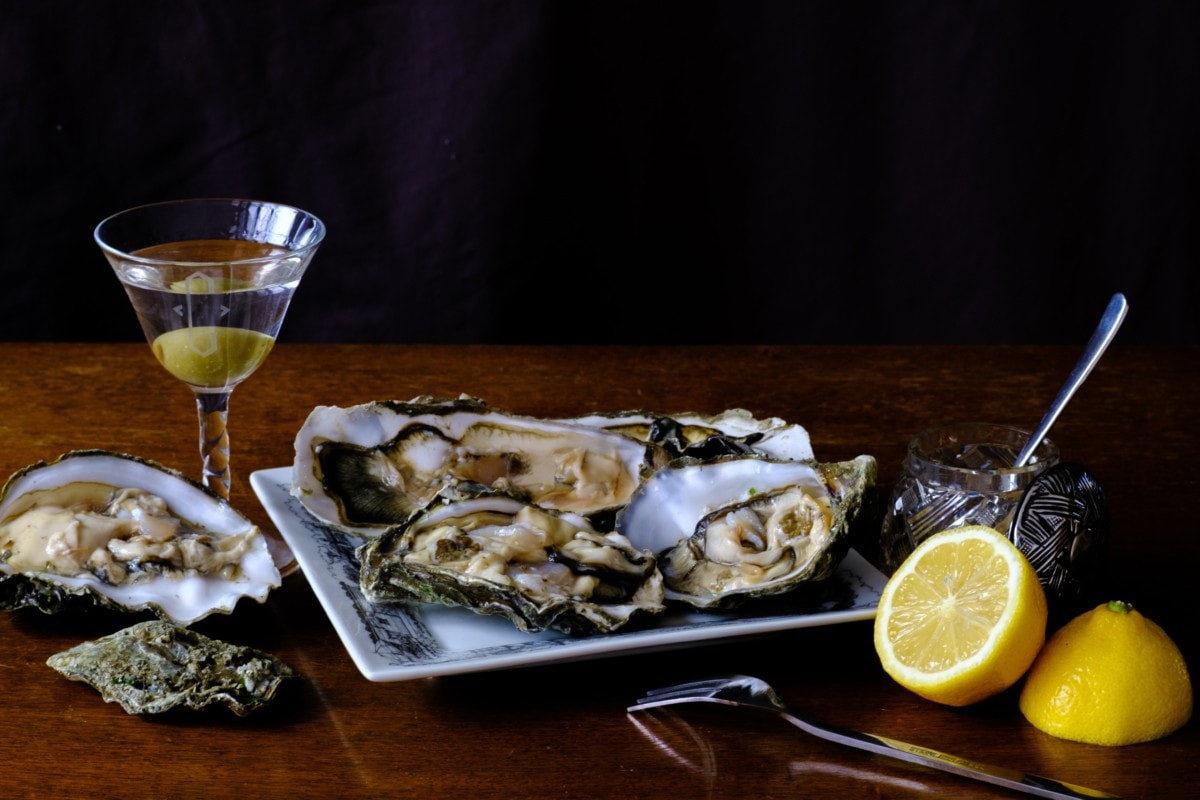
[1114, 315]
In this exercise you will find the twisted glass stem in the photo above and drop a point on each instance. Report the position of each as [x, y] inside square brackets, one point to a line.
[213, 409]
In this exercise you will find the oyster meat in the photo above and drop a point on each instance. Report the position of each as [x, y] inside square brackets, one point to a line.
[155, 666]
[369, 466]
[127, 533]
[746, 526]
[497, 554]
[706, 437]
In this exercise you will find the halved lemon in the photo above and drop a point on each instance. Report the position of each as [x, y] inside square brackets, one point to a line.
[962, 618]
[1109, 676]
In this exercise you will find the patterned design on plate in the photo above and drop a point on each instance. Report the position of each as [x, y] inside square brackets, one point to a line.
[395, 635]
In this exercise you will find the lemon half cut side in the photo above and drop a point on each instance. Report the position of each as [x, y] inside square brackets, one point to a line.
[962, 618]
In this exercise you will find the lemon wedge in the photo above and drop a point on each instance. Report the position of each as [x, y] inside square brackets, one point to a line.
[962, 618]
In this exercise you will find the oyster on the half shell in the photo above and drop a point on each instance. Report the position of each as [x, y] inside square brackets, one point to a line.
[709, 436]
[369, 466]
[745, 527]
[496, 554]
[127, 533]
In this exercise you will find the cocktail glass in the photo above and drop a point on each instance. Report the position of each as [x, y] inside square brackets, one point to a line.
[211, 280]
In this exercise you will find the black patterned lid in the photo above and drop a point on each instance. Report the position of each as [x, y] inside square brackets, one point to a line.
[1061, 525]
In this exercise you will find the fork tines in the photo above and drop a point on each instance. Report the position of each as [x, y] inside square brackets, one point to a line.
[702, 690]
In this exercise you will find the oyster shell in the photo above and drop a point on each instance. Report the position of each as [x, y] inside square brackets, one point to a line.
[497, 554]
[744, 527]
[127, 533]
[369, 466]
[706, 437]
[155, 666]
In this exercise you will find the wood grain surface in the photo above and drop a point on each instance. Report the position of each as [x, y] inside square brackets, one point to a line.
[562, 730]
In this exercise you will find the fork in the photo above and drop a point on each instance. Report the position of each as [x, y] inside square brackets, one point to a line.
[748, 692]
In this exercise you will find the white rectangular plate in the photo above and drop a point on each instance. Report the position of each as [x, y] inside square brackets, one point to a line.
[395, 642]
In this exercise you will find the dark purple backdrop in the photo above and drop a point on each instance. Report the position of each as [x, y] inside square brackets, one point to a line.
[558, 171]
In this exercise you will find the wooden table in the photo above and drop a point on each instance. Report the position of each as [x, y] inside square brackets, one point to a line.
[561, 730]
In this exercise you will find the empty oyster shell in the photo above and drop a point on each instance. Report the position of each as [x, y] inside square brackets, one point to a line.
[155, 666]
[369, 466]
[127, 533]
[746, 527]
[496, 554]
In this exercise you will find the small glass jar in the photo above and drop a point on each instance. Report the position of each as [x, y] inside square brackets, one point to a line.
[956, 475]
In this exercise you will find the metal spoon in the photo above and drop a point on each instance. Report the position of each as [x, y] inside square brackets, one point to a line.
[1114, 315]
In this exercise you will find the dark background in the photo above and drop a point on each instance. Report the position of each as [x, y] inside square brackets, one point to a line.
[642, 172]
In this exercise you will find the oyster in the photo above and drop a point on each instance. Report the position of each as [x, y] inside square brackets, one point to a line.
[155, 666]
[369, 466]
[497, 554]
[744, 527]
[734, 431]
[127, 533]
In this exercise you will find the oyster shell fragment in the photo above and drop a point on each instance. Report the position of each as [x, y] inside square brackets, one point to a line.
[369, 466]
[127, 533]
[495, 554]
[155, 666]
[745, 527]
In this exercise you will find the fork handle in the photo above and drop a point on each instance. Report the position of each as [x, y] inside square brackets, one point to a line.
[1000, 776]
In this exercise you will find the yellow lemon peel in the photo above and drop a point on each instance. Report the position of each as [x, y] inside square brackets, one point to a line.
[1110, 676]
